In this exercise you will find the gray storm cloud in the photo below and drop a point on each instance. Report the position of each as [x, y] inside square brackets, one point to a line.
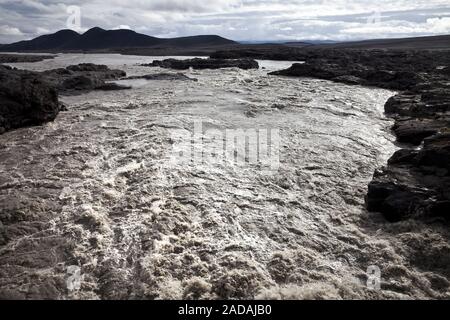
[234, 19]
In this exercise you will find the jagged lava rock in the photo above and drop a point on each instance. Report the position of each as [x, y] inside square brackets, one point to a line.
[198, 63]
[84, 77]
[416, 183]
[25, 99]
[15, 58]
[163, 77]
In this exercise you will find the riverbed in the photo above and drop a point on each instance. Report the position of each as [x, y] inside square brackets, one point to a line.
[97, 191]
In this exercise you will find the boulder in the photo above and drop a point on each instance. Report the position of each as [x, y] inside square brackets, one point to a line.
[163, 77]
[402, 104]
[111, 86]
[313, 70]
[198, 63]
[17, 58]
[415, 130]
[436, 152]
[31, 98]
[88, 67]
[352, 80]
[79, 83]
[25, 99]
[415, 184]
[397, 80]
[84, 77]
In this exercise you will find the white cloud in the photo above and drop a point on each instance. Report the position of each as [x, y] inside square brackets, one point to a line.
[42, 31]
[438, 25]
[122, 27]
[388, 28]
[9, 31]
[235, 19]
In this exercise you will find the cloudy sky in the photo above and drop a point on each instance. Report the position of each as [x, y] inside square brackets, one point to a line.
[234, 19]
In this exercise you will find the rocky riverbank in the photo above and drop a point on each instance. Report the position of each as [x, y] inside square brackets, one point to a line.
[37, 87]
[416, 181]
[101, 194]
[83, 78]
[15, 58]
[200, 64]
[162, 77]
[96, 192]
[31, 98]
[25, 99]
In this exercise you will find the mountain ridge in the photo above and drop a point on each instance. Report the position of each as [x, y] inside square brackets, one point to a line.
[99, 39]
[125, 41]
[424, 42]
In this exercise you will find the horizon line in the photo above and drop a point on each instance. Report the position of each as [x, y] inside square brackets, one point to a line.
[248, 41]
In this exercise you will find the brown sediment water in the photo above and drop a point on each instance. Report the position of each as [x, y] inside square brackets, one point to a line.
[94, 189]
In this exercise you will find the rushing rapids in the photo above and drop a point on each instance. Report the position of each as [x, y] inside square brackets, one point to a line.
[95, 190]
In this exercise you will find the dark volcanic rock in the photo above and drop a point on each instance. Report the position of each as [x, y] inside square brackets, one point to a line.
[15, 58]
[350, 60]
[31, 98]
[88, 67]
[312, 70]
[348, 80]
[86, 83]
[415, 130]
[396, 201]
[416, 183]
[84, 77]
[274, 52]
[25, 99]
[398, 80]
[110, 86]
[351, 73]
[163, 76]
[422, 176]
[78, 83]
[198, 63]
[436, 152]
[402, 104]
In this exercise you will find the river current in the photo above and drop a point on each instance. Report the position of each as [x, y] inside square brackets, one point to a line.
[94, 198]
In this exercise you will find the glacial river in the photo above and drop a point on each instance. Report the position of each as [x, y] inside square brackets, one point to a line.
[98, 209]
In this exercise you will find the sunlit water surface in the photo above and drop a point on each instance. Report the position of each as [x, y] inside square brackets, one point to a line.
[140, 226]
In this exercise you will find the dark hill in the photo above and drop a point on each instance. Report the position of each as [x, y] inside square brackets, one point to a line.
[46, 42]
[417, 43]
[195, 41]
[100, 39]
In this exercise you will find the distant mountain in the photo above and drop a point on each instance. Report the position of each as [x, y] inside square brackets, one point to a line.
[97, 38]
[198, 41]
[320, 41]
[297, 43]
[274, 42]
[46, 42]
[100, 39]
[416, 43]
[131, 42]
